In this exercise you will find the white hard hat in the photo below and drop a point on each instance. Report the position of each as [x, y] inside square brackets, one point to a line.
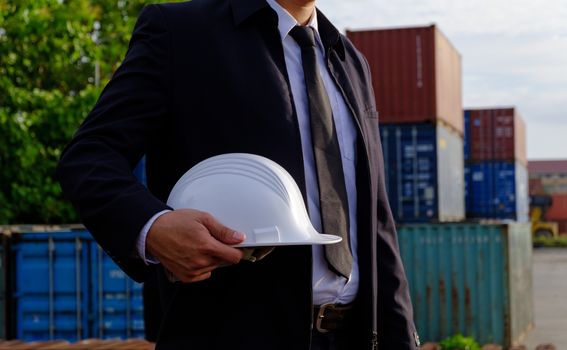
[250, 194]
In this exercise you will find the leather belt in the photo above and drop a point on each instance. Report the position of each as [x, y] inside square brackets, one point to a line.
[330, 317]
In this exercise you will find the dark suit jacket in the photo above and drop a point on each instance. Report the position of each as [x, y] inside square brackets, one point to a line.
[209, 77]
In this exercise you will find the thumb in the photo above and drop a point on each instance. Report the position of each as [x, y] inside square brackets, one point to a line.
[222, 233]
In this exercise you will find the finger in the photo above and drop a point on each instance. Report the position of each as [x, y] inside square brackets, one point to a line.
[221, 232]
[224, 252]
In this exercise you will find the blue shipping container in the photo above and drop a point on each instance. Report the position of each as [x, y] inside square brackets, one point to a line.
[497, 190]
[140, 171]
[473, 279]
[51, 289]
[117, 300]
[424, 172]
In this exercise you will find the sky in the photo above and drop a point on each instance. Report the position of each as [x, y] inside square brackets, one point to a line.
[514, 53]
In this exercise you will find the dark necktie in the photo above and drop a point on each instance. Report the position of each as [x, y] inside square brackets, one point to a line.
[332, 190]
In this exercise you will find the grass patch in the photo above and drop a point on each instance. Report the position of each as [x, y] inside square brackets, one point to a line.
[560, 242]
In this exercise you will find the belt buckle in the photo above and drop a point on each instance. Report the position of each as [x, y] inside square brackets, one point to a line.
[321, 316]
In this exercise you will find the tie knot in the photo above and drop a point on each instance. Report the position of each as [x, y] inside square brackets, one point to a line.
[303, 35]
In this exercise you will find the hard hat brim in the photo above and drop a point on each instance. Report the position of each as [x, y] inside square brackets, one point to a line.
[319, 239]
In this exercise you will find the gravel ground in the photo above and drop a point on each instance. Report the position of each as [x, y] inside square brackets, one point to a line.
[550, 298]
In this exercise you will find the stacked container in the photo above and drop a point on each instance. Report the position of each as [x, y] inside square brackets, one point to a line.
[473, 279]
[495, 172]
[549, 178]
[51, 289]
[417, 84]
[5, 311]
[66, 287]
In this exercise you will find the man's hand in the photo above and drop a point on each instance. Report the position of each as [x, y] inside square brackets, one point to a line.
[191, 244]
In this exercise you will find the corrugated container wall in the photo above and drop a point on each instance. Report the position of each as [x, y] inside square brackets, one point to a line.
[495, 134]
[416, 74]
[4, 304]
[497, 190]
[66, 287]
[539, 168]
[51, 289]
[474, 279]
[424, 172]
[117, 300]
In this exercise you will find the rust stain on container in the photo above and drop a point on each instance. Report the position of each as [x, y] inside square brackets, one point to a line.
[468, 308]
[442, 303]
[416, 74]
[455, 307]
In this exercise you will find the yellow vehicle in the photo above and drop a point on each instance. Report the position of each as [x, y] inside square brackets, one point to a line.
[540, 227]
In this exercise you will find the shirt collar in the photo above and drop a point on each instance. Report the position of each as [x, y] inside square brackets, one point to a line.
[286, 21]
[243, 10]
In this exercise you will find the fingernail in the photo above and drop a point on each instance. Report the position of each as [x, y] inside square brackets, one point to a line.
[238, 236]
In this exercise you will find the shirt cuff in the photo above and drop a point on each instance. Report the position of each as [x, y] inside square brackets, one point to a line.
[146, 257]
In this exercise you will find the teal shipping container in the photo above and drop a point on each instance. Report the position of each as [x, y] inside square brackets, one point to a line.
[473, 279]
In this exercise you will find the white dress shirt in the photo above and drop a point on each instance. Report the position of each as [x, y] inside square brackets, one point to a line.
[328, 287]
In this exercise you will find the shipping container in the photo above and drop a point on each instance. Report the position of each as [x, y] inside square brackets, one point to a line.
[536, 187]
[416, 74]
[496, 134]
[117, 300]
[558, 209]
[140, 171]
[467, 137]
[562, 224]
[66, 287]
[497, 190]
[4, 304]
[424, 172]
[556, 184]
[51, 285]
[539, 168]
[473, 279]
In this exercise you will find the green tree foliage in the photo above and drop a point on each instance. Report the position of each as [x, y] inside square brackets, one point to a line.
[55, 56]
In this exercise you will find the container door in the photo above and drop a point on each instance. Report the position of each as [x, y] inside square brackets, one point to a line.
[411, 171]
[117, 300]
[51, 286]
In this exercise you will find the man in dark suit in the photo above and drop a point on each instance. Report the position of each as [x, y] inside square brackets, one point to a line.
[268, 77]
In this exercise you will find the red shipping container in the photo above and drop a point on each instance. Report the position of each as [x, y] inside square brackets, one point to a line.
[558, 209]
[547, 167]
[497, 134]
[416, 74]
[562, 227]
[482, 136]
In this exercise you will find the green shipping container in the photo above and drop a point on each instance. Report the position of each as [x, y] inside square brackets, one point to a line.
[473, 279]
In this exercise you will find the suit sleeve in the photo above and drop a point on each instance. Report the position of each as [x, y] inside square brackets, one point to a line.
[95, 169]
